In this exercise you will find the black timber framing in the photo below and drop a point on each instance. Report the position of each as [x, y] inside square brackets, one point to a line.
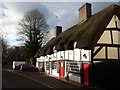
[91, 69]
[116, 24]
[106, 50]
[118, 53]
[111, 36]
[102, 59]
[114, 29]
[97, 50]
[108, 45]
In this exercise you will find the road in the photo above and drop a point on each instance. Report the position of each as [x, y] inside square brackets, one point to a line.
[14, 80]
[18, 79]
[35, 80]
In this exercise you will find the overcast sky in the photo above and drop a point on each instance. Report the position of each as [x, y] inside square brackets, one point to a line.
[67, 13]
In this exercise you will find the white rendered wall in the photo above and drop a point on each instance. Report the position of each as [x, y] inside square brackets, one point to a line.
[67, 55]
[74, 77]
[62, 53]
[77, 54]
[85, 55]
[54, 72]
[36, 64]
[71, 55]
[58, 55]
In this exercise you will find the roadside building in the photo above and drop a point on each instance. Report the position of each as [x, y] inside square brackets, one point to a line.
[77, 52]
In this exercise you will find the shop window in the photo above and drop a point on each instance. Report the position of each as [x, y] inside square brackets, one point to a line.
[73, 67]
[47, 65]
[54, 65]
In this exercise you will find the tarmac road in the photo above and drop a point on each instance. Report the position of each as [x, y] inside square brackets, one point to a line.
[14, 80]
[18, 79]
[35, 80]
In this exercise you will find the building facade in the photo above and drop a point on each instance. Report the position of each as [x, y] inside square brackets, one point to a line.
[72, 54]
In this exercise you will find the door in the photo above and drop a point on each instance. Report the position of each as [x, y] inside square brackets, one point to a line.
[86, 73]
[62, 68]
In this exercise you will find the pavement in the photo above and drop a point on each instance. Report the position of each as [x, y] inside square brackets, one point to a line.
[79, 85]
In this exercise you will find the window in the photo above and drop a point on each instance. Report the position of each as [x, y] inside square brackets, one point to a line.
[47, 65]
[71, 45]
[54, 65]
[73, 67]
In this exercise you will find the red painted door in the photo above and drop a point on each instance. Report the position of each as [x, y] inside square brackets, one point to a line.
[86, 73]
[62, 69]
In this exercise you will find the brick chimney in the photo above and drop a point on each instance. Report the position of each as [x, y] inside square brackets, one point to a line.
[84, 12]
[58, 30]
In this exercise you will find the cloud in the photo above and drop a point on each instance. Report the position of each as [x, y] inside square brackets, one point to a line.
[67, 13]
[13, 12]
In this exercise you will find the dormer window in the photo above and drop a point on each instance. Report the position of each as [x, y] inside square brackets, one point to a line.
[62, 46]
[72, 45]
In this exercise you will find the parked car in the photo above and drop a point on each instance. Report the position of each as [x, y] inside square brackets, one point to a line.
[28, 67]
[17, 67]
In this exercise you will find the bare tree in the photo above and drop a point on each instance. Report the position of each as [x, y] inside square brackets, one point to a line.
[33, 28]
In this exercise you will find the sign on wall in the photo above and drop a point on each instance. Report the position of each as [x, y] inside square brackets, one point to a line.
[40, 59]
[85, 55]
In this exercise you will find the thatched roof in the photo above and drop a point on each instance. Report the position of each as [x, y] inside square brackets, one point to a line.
[85, 34]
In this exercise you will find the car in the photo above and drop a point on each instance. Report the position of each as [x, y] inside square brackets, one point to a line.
[28, 67]
[17, 67]
[15, 63]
